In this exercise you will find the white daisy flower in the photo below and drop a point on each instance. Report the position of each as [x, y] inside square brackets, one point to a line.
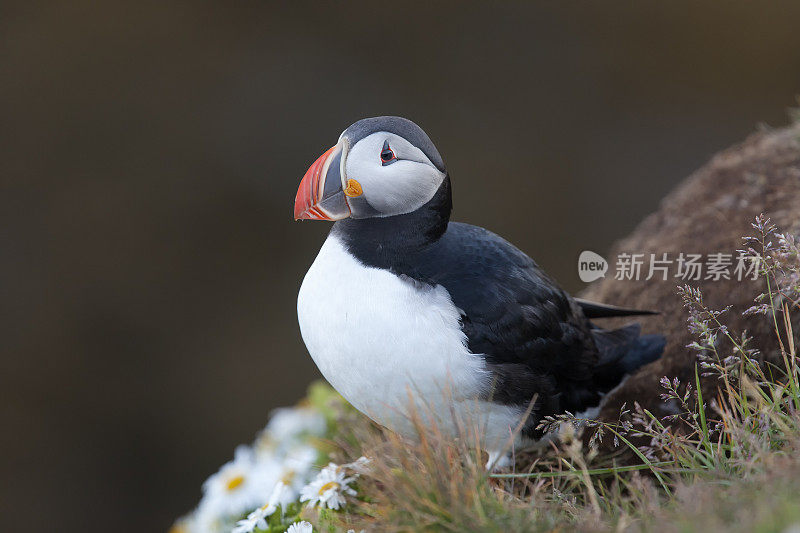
[281, 455]
[210, 520]
[288, 425]
[258, 518]
[296, 470]
[329, 488]
[249, 524]
[240, 485]
[300, 527]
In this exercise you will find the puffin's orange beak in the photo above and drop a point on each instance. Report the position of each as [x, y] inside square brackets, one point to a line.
[320, 195]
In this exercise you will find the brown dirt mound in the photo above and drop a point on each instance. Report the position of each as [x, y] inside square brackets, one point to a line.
[709, 212]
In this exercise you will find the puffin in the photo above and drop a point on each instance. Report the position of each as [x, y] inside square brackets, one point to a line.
[417, 320]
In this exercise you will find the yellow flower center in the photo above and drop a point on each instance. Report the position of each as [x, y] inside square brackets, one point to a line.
[234, 482]
[327, 486]
[288, 477]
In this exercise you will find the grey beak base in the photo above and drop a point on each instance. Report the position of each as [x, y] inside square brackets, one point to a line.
[332, 198]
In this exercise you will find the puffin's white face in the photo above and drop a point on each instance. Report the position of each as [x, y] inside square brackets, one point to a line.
[381, 167]
[394, 176]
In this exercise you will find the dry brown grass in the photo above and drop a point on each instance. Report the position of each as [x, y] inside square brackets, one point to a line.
[728, 463]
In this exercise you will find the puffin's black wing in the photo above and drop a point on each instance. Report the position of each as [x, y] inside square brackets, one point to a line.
[535, 338]
[528, 329]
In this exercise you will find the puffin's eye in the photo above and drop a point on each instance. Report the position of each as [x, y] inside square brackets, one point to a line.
[387, 155]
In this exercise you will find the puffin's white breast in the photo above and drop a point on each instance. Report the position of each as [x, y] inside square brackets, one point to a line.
[380, 339]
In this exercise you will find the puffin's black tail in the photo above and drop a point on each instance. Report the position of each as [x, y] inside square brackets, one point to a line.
[622, 351]
[596, 310]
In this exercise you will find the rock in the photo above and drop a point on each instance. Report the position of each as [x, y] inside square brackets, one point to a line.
[709, 212]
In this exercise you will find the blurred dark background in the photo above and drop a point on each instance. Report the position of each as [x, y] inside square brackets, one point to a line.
[149, 157]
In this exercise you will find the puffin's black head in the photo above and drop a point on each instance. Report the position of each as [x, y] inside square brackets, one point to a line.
[381, 166]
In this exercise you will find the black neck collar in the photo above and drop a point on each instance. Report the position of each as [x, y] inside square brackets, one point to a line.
[394, 242]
